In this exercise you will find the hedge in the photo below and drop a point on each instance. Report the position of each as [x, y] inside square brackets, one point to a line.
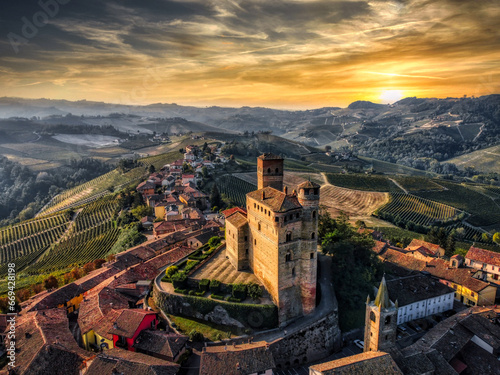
[255, 316]
[234, 299]
[217, 296]
[166, 279]
[181, 291]
[214, 286]
[179, 280]
[190, 265]
[239, 291]
[204, 284]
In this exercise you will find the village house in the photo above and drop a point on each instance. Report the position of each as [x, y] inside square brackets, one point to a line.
[468, 290]
[244, 359]
[146, 188]
[425, 248]
[161, 344]
[119, 361]
[419, 296]
[129, 325]
[369, 363]
[486, 261]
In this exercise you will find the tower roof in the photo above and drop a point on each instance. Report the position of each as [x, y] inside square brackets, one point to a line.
[275, 200]
[270, 156]
[308, 185]
[382, 299]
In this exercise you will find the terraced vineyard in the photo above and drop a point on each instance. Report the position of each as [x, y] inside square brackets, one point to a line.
[355, 203]
[417, 210]
[78, 249]
[24, 241]
[484, 211]
[235, 189]
[30, 227]
[95, 213]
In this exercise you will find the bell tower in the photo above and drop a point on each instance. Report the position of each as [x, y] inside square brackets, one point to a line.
[270, 171]
[380, 321]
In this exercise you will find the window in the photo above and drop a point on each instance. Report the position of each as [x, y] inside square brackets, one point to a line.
[269, 213]
[313, 235]
[268, 170]
[314, 214]
[372, 317]
[265, 212]
[293, 271]
[255, 205]
[246, 251]
[387, 320]
[312, 255]
[288, 236]
[276, 219]
[297, 215]
[277, 170]
[255, 242]
[246, 238]
[288, 257]
[259, 227]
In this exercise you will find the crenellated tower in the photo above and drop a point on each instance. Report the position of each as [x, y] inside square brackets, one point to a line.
[270, 171]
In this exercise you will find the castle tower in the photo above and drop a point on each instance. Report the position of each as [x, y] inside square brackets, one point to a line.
[270, 171]
[308, 197]
[380, 321]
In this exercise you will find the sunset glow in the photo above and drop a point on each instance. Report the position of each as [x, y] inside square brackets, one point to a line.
[288, 54]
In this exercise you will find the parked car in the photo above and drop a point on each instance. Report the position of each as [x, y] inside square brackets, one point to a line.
[402, 328]
[360, 344]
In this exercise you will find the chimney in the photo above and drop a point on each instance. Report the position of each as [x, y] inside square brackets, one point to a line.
[285, 190]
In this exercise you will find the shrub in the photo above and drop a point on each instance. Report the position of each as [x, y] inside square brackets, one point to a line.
[214, 242]
[200, 293]
[181, 291]
[254, 291]
[166, 279]
[204, 284]
[214, 286]
[179, 280]
[194, 335]
[239, 291]
[192, 292]
[190, 265]
[233, 299]
[218, 336]
[217, 296]
[170, 271]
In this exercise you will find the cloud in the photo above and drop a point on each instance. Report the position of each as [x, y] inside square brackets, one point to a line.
[319, 52]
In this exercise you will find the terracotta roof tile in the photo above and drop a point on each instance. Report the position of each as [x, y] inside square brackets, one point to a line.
[484, 256]
[237, 219]
[368, 363]
[160, 342]
[275, 200]
[415, 244]
[270, 156]
[129, 321]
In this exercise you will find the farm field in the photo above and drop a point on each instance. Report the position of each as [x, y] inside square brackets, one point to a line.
[235, 189]
[416, 183]
[357, 204]
[390, 168]
[485, 160]
[290, 179]
[484, 211]
[363, 182]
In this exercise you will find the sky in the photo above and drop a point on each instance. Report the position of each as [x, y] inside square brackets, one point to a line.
[281, 54]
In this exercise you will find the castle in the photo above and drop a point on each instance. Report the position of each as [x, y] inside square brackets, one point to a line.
[276, 238]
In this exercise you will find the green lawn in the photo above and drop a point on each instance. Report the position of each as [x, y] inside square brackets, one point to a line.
[211, 331]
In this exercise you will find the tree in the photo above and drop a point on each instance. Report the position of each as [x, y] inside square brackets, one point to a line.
[254, 291]
[76, 273]
[50, 283]
[485, 237]
[89, 267]
[215, 198]
[151, 169]
[141, 211]
[450, 244]
[214, 242]
[194, 335]
[360, 224]
[98, 263]
[496, 237]
[170, 271]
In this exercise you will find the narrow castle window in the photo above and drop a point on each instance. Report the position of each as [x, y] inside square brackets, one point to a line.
[259, 227]
[246, 238]
[314, 214]
[372, 317]
[387, 320]
[312, 255]
[288, 257]
[313, 235]
[246, 251]
[297, 215]
[255, 242]
[288, 237]
[277, 170]
[268, 170]
[293, 271]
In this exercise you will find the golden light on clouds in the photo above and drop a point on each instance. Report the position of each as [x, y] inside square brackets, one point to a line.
[290, 54]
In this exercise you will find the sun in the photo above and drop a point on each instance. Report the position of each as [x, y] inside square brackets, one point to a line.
[391, 96]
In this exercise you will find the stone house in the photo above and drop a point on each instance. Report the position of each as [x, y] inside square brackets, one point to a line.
[484, 260]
